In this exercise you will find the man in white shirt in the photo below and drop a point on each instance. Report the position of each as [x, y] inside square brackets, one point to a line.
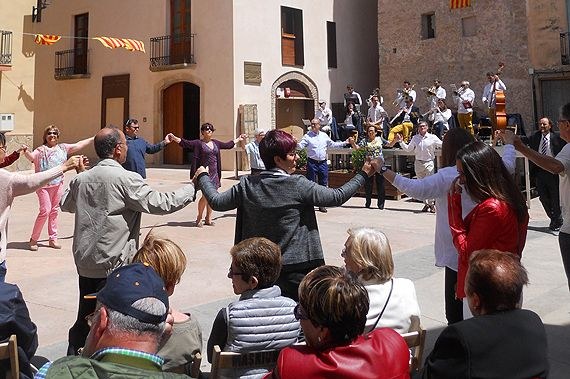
[464, 97]
[252, 150]
[325, 117]
[440, 118]
[423, 145]
[489, 97]
[560, 164]
[316, 144]
[439, 93]
[376, 115]
[352, 96]
[406, 92]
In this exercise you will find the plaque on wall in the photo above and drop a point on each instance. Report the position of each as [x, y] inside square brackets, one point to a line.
[252, 73]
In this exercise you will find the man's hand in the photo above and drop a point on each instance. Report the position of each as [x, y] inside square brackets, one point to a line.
[23, 148]
[172, 137]
[199, 171]
[377, 163]
[368, 168]
[508, 137]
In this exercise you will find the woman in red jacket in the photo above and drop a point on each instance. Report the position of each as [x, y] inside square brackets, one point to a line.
[500, 219]
[332, 311]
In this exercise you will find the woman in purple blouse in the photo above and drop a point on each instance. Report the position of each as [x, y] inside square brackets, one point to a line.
[206, 152]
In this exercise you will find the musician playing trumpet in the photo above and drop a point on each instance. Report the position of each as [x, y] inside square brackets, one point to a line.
[402, 94]
[439, 116]
[435, 93]
[464, 97]
[405, 120]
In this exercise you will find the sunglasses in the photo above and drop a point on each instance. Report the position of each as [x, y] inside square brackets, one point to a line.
[233, 273]
[3, 148]
[135, 127]
[52, 134]
[208, 129]
[300, 313]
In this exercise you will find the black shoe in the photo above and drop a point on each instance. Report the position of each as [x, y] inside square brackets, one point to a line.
[323, 209]
[367, 205]
[432, 208]
[425, 208]
[381, 206]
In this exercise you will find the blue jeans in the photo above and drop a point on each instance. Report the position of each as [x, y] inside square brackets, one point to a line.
[318, 170]
[3, 271]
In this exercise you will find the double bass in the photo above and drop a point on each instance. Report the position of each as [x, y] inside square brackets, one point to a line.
[500, 103]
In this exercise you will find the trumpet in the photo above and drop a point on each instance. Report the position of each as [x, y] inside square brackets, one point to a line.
[431, 91]
[399, 96]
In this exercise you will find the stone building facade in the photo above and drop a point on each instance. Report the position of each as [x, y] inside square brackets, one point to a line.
[425, 40]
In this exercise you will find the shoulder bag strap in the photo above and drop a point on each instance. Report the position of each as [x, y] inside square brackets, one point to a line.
[386, 304]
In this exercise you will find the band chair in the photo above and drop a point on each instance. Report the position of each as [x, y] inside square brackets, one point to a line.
[229, 360]
[9, 350]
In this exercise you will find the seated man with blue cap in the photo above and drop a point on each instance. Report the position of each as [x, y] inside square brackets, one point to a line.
[125, 330]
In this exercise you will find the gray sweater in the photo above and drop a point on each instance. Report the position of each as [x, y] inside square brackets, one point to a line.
[280, 207]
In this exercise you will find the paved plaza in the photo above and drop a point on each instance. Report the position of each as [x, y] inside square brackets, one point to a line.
[48, 278]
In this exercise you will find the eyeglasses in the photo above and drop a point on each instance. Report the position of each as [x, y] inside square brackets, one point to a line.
[208, 129]
[3, 148]
[300, 313]
[52, 134]
[343, 252]
[135, 127]
[233, 273]
[89, 318]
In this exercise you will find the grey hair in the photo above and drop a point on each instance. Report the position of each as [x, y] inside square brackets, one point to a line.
[121, 323]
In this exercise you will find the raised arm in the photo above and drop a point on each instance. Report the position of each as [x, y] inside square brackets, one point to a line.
[24, 184]
[224, 201]
[72, 148]
[550, 164]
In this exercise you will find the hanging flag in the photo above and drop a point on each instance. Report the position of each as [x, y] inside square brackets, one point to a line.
[127, 43]
[455, 4]
[46, 39]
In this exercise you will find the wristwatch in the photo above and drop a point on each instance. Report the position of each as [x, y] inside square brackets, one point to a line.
[383, 169]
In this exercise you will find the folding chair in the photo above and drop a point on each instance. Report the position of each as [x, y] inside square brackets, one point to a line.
[229, 360]
[415, 339]
[9, 350]
[195, 366]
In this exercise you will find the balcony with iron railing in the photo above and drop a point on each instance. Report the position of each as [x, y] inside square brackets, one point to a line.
[565, 48]
[5, 50]
[171, 52]
[71, 64]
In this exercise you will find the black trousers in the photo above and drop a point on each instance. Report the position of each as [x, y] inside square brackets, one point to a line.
[453, 306]
[289, 282]
[564, 242]
[379, 179]
[79, 331]
[548, 192]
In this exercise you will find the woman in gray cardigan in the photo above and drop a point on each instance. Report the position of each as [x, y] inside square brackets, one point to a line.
[280, 207]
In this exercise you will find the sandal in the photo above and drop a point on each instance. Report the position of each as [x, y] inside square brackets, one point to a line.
[199, 223]
[33, 245]
[210, 223]
[54, 245]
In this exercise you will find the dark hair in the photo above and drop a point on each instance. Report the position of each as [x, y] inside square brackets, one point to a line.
[444, 103]
[406, 82]
[207, 125]
[486, 176]
[565, 111]
[497, 278]
[129, 122]
[277, 143]
[258, 257]
[3, 139]
[105, 143]
[335, 299]
[348, 103]
[454, 140]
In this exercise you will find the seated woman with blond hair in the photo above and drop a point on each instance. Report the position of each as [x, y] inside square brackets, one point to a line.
[393, 302]
[169, 261]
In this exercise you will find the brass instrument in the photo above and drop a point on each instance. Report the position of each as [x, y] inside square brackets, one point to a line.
[402, 93]
[431, 91]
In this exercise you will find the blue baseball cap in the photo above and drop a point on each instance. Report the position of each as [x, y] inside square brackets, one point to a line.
[127, 284]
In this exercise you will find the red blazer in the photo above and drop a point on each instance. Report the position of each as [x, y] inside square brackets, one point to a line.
[492, 224]
[381, 354]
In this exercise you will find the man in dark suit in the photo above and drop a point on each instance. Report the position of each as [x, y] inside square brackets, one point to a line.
[501, 340]
[549, 143]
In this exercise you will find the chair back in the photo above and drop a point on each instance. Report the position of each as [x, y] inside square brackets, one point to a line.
[415, 339]
[9, 350]
[194, 370]
[229, 360]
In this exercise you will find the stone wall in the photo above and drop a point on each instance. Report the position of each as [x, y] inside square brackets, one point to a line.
[13, 142]
[500, 35]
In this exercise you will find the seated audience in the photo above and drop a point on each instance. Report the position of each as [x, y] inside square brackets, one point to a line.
[501, 340]
[126, 328]
[393, 302]
[261, 319]
[169, 261]
[332, 310]
[15, 319]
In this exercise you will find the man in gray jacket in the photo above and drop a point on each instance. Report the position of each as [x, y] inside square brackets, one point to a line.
[110, 201]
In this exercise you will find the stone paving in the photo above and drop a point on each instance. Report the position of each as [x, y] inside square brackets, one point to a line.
[48, 278]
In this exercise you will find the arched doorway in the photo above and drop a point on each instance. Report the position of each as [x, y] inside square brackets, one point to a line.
[181, 117]
[294, 97]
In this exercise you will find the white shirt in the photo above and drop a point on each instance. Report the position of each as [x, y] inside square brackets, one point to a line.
[324, 116]
[467, 95]
[402, 98]
[402, 305]
[316, 144]
[440, 93]
[423, 146]
[375, 113]
[545, 138]
[489, 95]
[564, 158]
[354, 93]
[252, 150]
[443, 117]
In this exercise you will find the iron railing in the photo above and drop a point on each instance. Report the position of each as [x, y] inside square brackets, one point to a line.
[172, 50]
[565, 47]
[71, 62]
[5, 47]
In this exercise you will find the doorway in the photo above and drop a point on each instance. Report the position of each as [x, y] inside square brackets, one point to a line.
[181, 117]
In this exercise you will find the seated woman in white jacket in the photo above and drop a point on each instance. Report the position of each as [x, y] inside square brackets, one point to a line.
[393, 301]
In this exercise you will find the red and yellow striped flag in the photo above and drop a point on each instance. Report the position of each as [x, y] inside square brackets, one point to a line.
[455, 4]
[127, 43]
[46, 39]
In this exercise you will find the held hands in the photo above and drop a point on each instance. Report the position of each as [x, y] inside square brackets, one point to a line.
[23, 148]
[240, 138]
[172, 138]
[508, 137]
[377, 164]
[78, 162]
[368, 168]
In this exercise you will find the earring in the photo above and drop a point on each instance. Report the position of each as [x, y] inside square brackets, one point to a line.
[319, 338]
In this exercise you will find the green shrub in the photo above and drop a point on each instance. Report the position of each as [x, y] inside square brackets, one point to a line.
[302, 161]
[357, 157]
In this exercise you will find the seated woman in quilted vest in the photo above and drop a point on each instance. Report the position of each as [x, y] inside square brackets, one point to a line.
[261, 319]
[332, 310]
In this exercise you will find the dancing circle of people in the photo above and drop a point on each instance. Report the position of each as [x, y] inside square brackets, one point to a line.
[321, 317]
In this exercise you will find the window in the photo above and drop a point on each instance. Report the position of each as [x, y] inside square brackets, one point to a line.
[80, 43]
[469, 26]
[292, 37]
[428, 25]
[331, 44]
